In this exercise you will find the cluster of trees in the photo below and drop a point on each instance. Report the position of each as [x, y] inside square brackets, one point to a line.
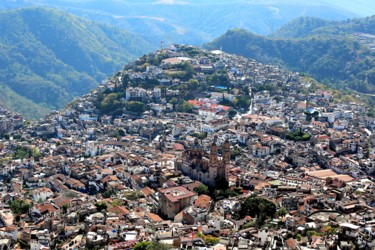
[183, 71]
[24, 152]
[297, 136]
[199, 135]
[134, 106]
[151, 245]
[219, 78]
[151, 59]
[184, 106]
[101, 205]
[19, 206]
[241, 101]
[257, 207]
[112, 102]
[221, 191]
[208, 239]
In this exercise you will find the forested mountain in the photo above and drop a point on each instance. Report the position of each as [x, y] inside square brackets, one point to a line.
[300, 27]
[194, 21]
[48, 56]
[312, 26]
[336, 53]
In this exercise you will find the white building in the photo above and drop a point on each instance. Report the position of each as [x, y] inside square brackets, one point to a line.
[135, 93]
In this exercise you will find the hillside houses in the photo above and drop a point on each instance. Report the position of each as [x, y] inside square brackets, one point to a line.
[113, 179]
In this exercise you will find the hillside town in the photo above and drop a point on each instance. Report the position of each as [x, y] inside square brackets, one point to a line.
[190, 149]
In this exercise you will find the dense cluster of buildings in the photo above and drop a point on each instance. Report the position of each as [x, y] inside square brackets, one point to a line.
[9, 121]
[97, 180]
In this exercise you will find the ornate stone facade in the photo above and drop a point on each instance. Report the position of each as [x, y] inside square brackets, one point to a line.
[206, 167]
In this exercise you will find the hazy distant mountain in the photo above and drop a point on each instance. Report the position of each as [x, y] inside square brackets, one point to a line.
[48, 56]
[312, 26]
[197, 21]
[333, 52]
[360, 7]
[300, 27]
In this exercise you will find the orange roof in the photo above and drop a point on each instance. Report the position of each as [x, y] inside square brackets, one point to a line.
[178, 147]
[119, 210]
[147, 191]
[322, 174]
[154, 217]
[203, 201]
[195, 102]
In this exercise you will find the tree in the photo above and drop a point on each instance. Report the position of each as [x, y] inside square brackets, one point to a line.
[208, 239]
[258, 207]
[143, 245]
[125, 81]
[117, 203]
[299, 236]
[134, 106]
[298, 136]
[65, 208]
[173, 101]
[243, 102]
[202, 189]
[230, 193]
[110, 103]
[185, 107]
[312, 233]
[101, 205]
[232, 113]
[151, 245]
[371, 112]
[19, 206]
[219, 79]
[193, 84]
[200, 136]
[281, 212]
[189, 71]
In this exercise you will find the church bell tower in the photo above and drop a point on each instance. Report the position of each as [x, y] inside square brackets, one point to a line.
[226, 151]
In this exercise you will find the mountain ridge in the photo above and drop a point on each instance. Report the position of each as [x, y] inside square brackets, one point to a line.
[312, 26]
[198, 21]
[344, 59]
[49, 56]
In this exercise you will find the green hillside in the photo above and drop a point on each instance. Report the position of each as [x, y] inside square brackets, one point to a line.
[343, 59]
[301, 27]
[312, 26]
[47, 57]
[193, 21]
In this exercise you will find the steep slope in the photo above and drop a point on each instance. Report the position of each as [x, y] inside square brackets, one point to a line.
[344, 60]
[48, 56]
[300, 27]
